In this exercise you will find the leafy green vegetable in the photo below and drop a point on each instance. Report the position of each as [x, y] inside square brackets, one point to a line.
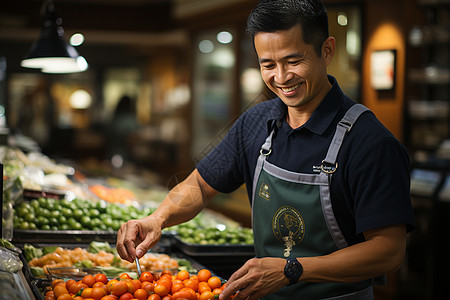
[6, 244]
[96, 247]
[37, 271]
[84, 264]
[49, 249]
[31, 252]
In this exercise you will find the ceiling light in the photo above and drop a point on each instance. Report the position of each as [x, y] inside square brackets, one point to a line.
[342, 19]
[80, 99]
[76, 39]
[51, 53]
[224, 37]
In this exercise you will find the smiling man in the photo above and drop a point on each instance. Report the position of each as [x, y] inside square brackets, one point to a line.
[327, 182]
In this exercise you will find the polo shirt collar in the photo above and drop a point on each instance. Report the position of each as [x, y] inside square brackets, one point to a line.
[322, 117]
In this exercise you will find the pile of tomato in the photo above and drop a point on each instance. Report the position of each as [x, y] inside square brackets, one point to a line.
[149, 286]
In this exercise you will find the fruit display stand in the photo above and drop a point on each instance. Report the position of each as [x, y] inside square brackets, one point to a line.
[54, 217]
[161, 256]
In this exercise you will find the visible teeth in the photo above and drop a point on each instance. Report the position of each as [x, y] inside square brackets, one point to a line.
[287, 90]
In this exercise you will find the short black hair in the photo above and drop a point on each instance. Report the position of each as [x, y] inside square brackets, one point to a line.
[275, 15]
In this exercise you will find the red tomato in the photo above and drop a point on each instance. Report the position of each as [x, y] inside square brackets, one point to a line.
[101, 278]
[146, 276]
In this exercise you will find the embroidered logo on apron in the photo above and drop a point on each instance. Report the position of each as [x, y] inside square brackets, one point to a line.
[264, 191]
[288, 227]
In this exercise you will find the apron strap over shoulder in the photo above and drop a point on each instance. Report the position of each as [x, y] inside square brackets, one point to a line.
[329, 164]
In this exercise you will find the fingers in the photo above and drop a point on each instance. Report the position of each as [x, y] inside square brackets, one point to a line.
[126, 240]
[149, 241]
[235, 283]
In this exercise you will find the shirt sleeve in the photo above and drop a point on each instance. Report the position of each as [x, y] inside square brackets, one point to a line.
[380, 185]
[221, 168]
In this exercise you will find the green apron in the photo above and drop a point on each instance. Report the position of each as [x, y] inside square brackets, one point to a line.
[302, 223]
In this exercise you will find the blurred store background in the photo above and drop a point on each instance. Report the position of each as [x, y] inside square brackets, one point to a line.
[163, 80]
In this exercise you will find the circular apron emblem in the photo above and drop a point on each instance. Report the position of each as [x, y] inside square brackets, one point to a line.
[288, 227]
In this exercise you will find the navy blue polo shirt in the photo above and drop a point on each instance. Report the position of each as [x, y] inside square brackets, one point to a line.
[370, 187]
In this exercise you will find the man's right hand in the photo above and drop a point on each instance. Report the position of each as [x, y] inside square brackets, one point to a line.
[135, 237]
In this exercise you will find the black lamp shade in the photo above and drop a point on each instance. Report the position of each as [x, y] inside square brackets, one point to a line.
[51, 52]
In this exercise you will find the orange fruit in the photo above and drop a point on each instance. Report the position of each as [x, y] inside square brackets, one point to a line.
[214, 282]
[204, 275]
[203, 287]
[110, 284]
[149, 287]
[146, 276]
[161, 289]
[125, 276]
[98, 293]
[176, 286]
[207, 295]
[57, 282]
[59, 290]
[183, 274]
[101, 278]
[126, 296]
[119, 288]
[192, 284]
[137, 283]
[65, 297]
[131, 287]
[140, 294]
[88, 280]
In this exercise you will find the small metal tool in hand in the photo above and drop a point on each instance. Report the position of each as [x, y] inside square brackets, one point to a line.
[138, 266]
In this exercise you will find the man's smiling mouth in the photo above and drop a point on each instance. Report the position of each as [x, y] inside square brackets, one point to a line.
[288, 90]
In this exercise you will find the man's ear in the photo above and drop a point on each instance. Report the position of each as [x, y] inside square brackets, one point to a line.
[328, 49]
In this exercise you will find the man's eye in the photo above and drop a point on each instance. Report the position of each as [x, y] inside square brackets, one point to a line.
[294, 62]
[268, 66]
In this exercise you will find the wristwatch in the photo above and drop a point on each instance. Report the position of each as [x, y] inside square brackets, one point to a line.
[293, 270]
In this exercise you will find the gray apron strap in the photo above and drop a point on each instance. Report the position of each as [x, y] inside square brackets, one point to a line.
[266, 149]
[329, 166]
[344, 126]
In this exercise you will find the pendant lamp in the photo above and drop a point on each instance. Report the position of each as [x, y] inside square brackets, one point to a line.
[51, 53]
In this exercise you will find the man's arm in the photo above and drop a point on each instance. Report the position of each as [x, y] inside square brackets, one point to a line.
[181, 204]
[382, 252]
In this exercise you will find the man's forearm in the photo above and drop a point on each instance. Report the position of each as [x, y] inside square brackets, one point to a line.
[382, 253]
[184, 201]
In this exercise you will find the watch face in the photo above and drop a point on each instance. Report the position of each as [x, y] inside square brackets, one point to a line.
[293, 270]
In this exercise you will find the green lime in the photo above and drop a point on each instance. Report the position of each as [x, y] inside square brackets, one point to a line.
[24, 225]
[45, 227]
[42, 202]
[64, 203]
[29, 217]
[62, 219]
[42, 221]
[64, 227]
[55, 213]
[67, 212]
[78, 213]
[41, 211]
[94, 213]
[35, 204]
[53, 221]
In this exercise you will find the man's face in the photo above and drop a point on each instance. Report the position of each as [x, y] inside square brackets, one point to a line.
[291, 68]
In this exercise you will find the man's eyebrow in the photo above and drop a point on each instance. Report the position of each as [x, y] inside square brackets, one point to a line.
[289, 56]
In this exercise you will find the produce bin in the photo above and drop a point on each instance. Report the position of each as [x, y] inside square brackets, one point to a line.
[39, 284]
[223, 259]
